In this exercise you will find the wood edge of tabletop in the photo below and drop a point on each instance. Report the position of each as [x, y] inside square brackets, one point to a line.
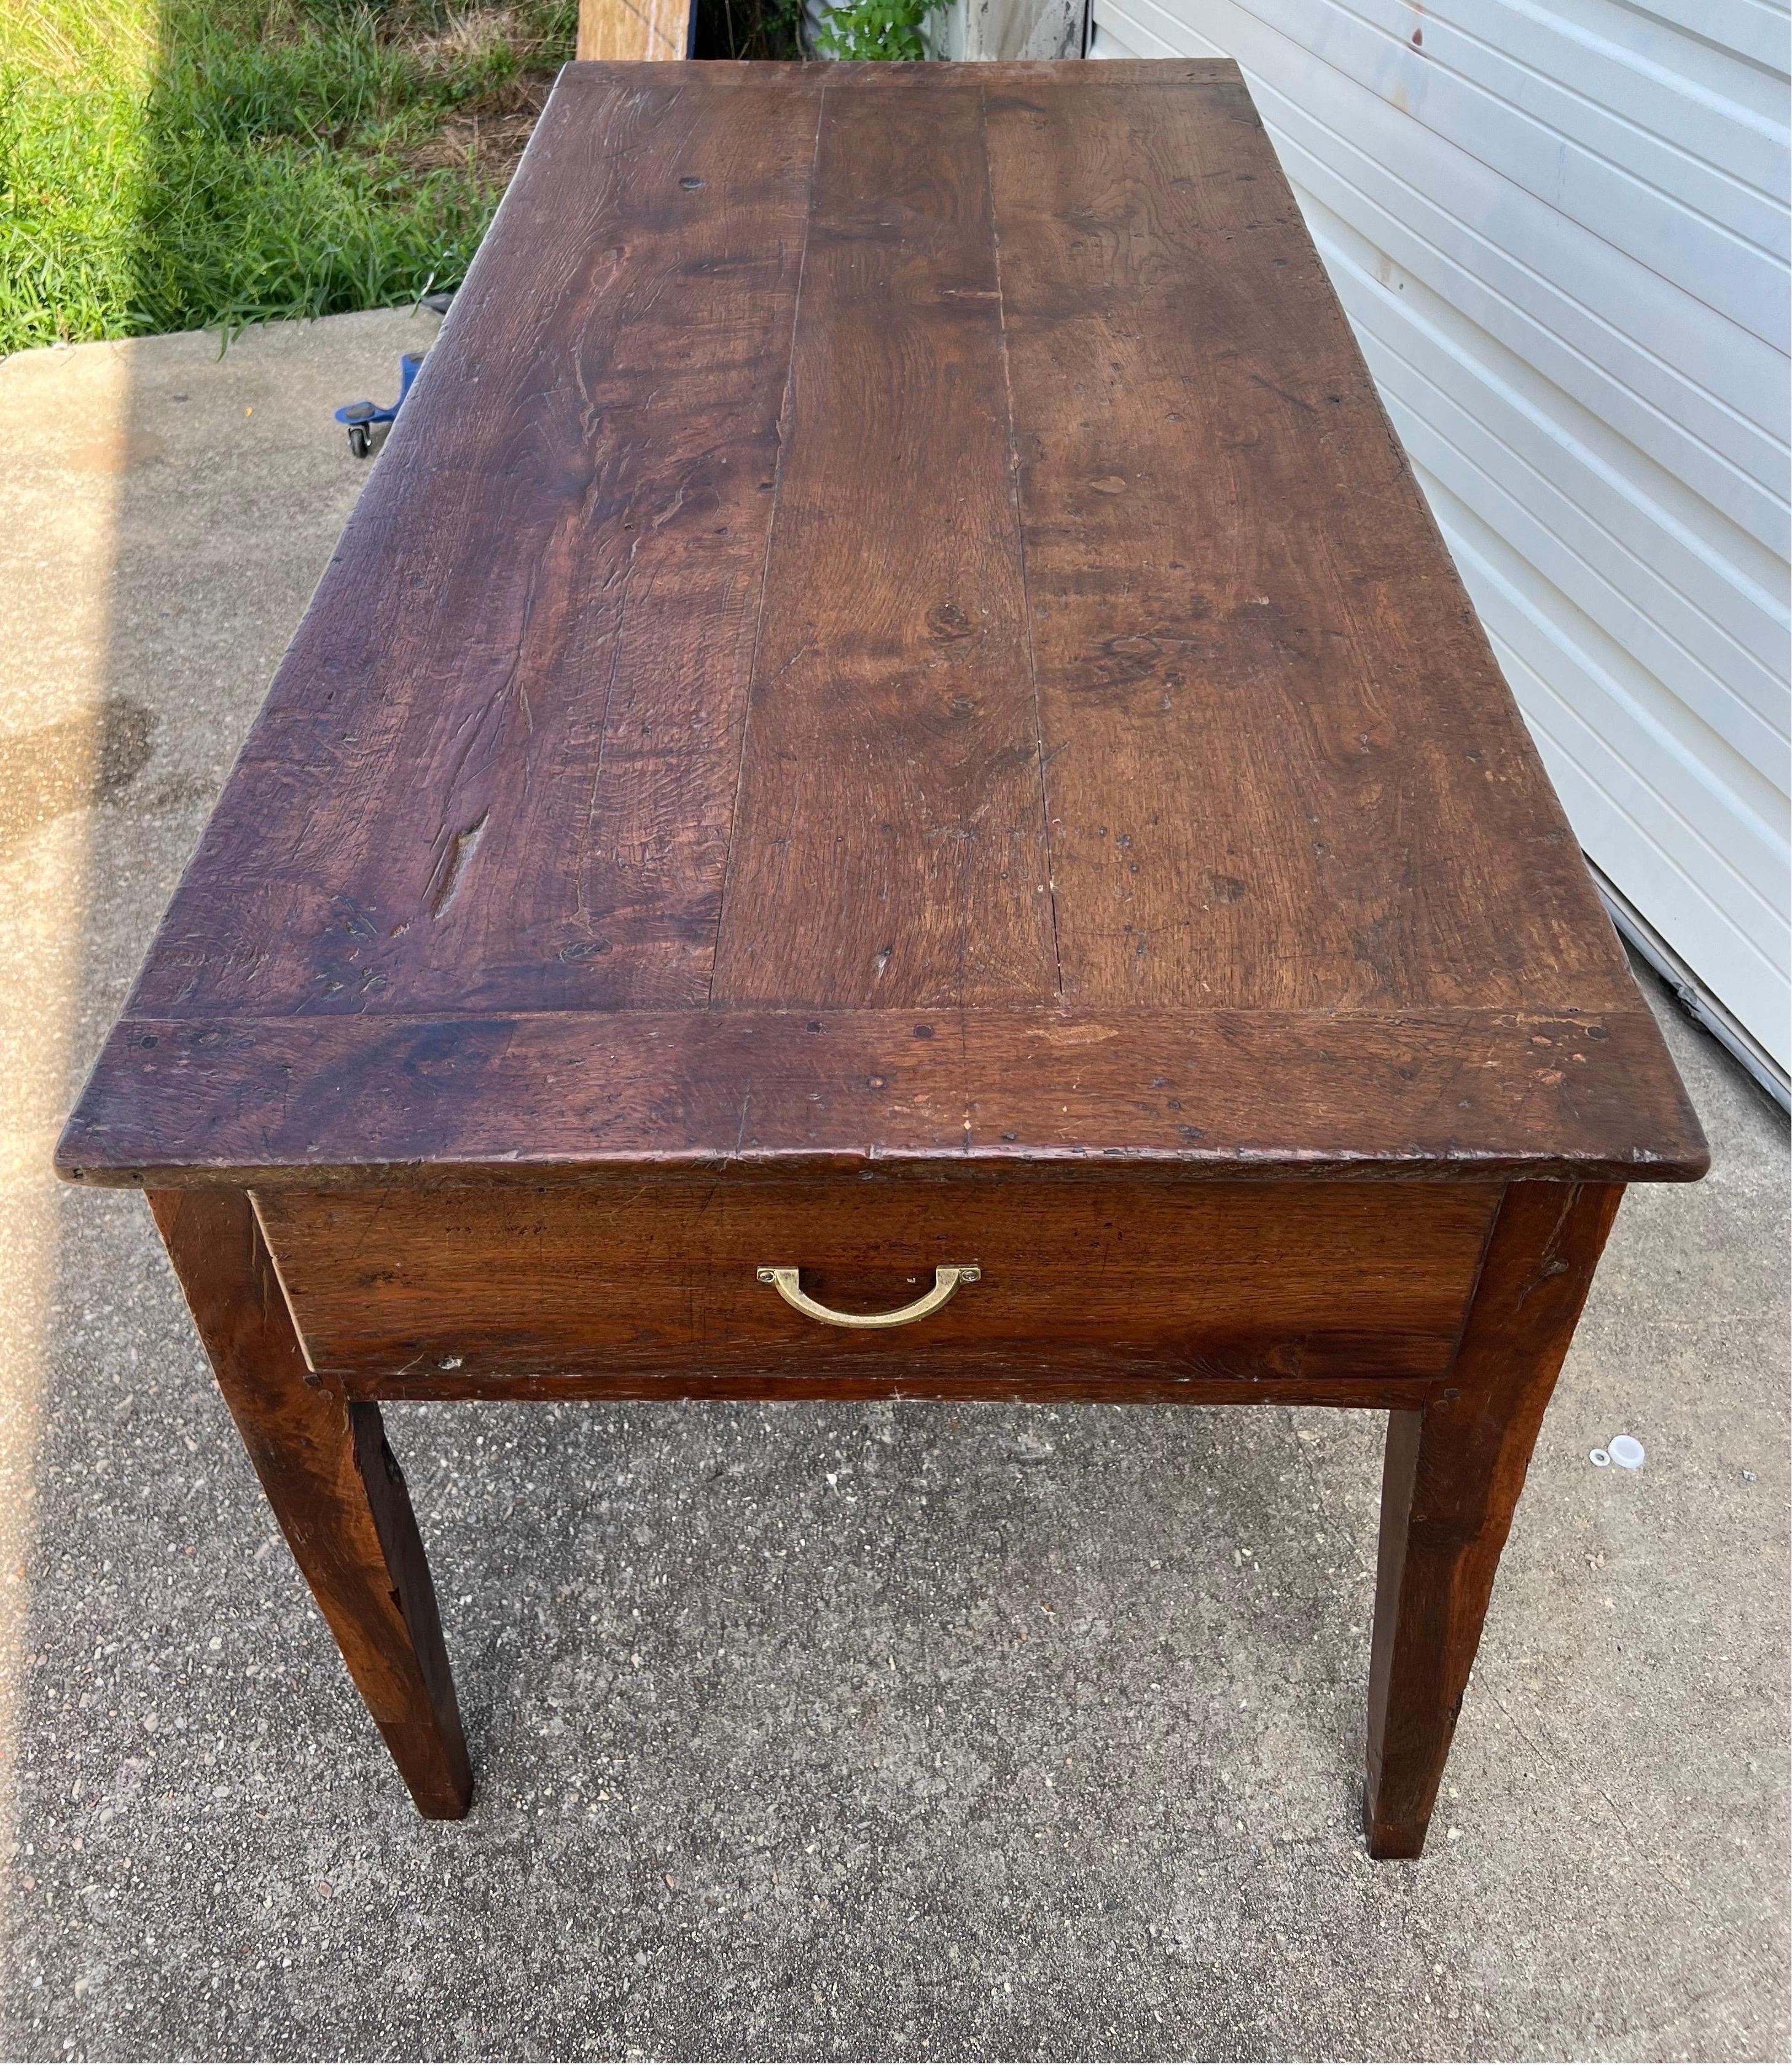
[364, 1100]
[441, 1174]
[903, 78]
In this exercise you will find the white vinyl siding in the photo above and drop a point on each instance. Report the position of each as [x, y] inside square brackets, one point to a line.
[1561, 231]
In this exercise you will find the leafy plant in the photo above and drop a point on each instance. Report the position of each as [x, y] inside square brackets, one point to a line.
[878, 29]
[174, 165]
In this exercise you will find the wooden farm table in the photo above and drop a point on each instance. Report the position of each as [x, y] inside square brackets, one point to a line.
[891, 792]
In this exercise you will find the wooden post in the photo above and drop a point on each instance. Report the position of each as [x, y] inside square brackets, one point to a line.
[636, 29]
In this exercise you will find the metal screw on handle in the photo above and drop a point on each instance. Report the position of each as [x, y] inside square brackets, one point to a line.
[947, 1278]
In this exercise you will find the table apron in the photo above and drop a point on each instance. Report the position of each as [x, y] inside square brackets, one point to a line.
[1104, 1286]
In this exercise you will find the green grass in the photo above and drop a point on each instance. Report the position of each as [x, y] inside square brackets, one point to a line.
[214, 163]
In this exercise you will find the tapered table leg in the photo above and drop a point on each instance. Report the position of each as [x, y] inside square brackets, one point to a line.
[1452, 1475]
[335, 1486]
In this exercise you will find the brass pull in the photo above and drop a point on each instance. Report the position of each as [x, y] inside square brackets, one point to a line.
[947, 1279]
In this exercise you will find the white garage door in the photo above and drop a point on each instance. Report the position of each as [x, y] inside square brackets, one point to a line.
[1560, 228]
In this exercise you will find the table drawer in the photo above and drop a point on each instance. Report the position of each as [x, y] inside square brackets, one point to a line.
[652, 1287]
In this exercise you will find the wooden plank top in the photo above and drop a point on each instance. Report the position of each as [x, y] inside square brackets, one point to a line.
[893, 625]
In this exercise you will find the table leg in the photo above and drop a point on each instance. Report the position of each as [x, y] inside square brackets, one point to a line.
[335, 1488]
[1454, 1472]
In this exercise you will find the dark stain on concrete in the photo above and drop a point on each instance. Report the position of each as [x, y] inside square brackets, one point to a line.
[85, 759]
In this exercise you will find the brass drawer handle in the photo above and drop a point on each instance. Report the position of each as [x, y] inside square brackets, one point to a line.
[947, 1279]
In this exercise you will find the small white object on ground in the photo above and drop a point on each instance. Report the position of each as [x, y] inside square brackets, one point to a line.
[1626, 1450]
[1598, 1458]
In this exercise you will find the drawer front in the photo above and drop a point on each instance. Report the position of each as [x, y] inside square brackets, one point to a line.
[1087, 1279]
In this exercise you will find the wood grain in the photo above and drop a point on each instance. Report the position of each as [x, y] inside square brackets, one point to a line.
[889, 843]
[1454, 1473]
[1283, 770]
[498, 762]
[994, 431]
[1425, 1098]
[335, 1487]
[1102, 1277]
[1010, 1381]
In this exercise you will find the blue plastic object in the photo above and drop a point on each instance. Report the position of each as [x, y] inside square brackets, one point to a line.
[360, 417]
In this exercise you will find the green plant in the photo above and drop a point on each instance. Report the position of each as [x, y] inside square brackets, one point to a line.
[174, 165]
[886, 29]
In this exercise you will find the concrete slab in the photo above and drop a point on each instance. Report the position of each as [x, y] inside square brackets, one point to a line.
[914, 1732]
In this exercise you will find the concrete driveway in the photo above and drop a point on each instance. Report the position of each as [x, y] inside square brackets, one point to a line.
[911, 1732]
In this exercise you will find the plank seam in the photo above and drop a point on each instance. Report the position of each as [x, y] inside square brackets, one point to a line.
[1020, 548]
[786, 416]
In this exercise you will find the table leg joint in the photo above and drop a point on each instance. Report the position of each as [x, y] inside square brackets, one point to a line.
[1451, 1480]
[335, 1486]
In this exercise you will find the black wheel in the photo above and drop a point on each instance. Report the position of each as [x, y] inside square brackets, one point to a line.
[358, 442]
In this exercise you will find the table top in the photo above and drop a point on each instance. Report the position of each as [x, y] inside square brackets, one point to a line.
[893, 625]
